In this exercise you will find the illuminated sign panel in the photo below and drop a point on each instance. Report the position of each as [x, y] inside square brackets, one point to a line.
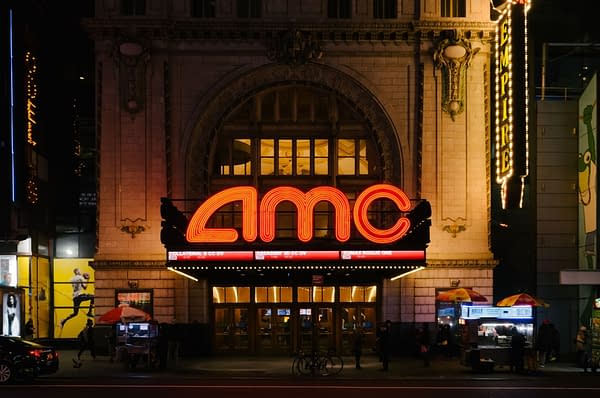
[198, 232]
[297, 255]
[31, 93]
[211, 243]
[511, 113]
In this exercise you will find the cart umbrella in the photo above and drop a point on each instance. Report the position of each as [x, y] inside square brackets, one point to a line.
[461, 294]
[124, 313]
[522, 299]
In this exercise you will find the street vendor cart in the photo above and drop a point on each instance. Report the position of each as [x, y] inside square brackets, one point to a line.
[486, 333]
[137, 343]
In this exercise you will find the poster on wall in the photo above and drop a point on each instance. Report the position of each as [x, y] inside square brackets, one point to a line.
[73, 296]
[8, 271]
[11, 314]
[587, 173]
[137, 298]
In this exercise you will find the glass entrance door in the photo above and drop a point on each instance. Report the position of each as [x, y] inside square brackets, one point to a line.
[273, 329]
[358, 316]
[316, 328]
[231, 325]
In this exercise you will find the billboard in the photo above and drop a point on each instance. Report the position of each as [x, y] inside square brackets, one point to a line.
[587, 181]
[11, 314]
[73, 296]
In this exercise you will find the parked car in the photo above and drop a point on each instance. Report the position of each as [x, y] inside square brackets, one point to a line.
[24, 359]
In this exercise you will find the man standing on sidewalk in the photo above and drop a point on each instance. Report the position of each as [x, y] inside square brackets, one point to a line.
[383, 338]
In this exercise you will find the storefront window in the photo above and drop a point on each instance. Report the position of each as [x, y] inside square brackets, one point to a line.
[273, 294]
[316, 294]
[231, 294]
[358, 294]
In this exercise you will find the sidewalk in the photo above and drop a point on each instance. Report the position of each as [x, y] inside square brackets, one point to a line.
[401, 368]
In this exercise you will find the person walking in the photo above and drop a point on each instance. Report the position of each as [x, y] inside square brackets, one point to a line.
[581, 343]
[86, 342]
[357, 343]
[543, 343]
[383, 339]
[555, 345]
[424, 345]
[517, 351]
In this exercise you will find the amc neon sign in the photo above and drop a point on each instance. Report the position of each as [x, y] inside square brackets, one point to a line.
[258, 220]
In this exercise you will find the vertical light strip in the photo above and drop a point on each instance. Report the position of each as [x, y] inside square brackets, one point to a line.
[525, 21]
[12, 107]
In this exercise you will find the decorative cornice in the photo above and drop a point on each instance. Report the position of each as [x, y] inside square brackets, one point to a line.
[463, 263]
[248, 31]
[129, 264]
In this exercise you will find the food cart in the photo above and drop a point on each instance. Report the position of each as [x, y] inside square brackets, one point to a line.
[486, 334]
[137, 342]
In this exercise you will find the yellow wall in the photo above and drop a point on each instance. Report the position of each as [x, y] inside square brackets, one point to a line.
[34, 277]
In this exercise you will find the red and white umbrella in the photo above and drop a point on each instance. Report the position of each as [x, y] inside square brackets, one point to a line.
[124, 313]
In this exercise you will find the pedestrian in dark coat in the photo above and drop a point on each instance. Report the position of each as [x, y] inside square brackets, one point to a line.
[517, 351]
[383, 339]
[357, 343]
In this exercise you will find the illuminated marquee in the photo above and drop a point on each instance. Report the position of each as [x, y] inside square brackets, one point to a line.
[511, 138]
[252, 227]
[31, 92]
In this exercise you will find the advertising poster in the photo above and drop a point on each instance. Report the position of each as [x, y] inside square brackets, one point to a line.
[137, 298]
[11, 314]
[587, 173]
[73, 296]
[8, 271]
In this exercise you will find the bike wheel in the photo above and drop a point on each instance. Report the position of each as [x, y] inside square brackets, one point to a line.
[335, 364]
[304, 365]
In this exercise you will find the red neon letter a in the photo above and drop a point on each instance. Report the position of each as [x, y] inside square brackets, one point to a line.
[197, 232]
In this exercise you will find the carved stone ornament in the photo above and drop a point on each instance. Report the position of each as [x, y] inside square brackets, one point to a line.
[453, 55]
[132, 57]
[132, 227]
[294, 47]
[455, 226]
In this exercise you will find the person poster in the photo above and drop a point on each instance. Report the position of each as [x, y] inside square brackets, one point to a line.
[11, 314]
[74, 296]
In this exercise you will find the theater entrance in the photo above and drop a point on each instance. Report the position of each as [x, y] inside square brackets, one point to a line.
[284, 319]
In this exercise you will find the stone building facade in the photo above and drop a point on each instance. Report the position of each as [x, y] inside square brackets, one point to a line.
[174, 75]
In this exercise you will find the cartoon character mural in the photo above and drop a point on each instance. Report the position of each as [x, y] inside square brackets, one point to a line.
[587, 171]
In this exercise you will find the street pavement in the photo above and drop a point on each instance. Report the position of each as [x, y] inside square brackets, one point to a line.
[260, 367]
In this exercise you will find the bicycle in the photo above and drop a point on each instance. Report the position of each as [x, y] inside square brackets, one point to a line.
[317, 363]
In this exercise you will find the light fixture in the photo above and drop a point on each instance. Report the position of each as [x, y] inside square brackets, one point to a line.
[406, 273]
[182, 274]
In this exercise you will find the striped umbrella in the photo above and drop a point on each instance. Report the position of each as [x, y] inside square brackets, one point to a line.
[461, 294]
[522, 299]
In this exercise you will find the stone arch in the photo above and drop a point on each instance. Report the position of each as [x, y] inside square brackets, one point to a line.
[198, 142]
